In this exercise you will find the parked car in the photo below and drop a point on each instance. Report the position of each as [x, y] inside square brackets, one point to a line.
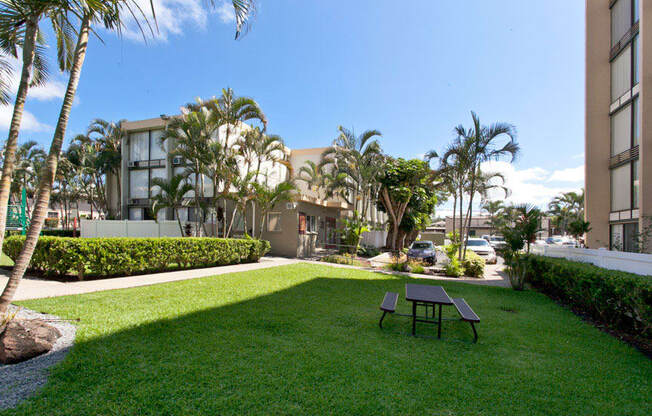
[497, 242]
[423, 251]
[540, 243]
[482, 248]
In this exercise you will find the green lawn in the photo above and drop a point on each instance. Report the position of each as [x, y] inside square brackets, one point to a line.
[304, 339]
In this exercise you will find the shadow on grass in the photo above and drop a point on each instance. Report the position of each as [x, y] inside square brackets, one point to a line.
[315, 348]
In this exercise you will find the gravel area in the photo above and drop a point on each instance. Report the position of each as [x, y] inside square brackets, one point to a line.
[19, 381]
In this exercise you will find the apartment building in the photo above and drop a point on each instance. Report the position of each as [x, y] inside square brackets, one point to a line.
[295, 229]
[618, 140]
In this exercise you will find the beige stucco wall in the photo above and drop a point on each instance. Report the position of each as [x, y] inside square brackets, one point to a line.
[598, 129]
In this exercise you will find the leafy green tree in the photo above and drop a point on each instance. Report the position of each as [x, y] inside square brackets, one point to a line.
[171, 194]
[566, 208]
[267, 198]
[579, 228]
[494, 209]
[108, 137]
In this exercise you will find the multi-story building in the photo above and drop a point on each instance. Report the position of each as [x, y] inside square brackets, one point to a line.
[618, 131]
[293, 229]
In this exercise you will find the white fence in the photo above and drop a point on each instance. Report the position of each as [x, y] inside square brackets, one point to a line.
[94, 228]
[374, 238]
[615, 260]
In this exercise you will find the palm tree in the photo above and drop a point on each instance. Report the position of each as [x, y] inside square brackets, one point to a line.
[192, 133]
[566, 208]
[19, 30]
[267, 198]
[481, 144]
[29, 158]
[244, 192]
[494, 208]
[455, 166]
[171, 195]
[257, 147]
[527, 220]
[109, 137]
[360, 159]
[108, 13]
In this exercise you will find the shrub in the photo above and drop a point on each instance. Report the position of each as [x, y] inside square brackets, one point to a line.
[347, 259]
[60, 233]
[368, 251]
[52, 222]
[416, 267]
[473, 265]
[618, 299]
[106, 257]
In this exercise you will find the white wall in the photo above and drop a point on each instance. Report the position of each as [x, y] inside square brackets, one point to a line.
[374, 238]
[615, 260]
[90, 229]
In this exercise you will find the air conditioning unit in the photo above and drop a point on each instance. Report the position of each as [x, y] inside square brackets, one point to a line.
[291, 205]
[177, 160]
[132, 164]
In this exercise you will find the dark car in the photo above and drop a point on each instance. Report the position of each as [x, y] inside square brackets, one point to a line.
[423, 251]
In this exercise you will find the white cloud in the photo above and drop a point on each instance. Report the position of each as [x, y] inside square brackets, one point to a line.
[51, 90]
[171, 17]
[28, 123]
[533, 185]
[568, 175]
[226, 13]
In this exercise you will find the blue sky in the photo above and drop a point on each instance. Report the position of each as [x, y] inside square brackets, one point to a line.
[412, 73]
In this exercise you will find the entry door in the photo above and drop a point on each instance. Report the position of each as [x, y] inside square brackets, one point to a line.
[331, 235]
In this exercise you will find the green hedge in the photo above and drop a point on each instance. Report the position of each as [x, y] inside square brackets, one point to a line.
[618, 299]
[105, 257]
[55, 233]
[473, 264]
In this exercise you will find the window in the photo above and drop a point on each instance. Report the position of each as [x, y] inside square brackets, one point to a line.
[616, 237]
[311, 224]
[630, 237]
[158, 149]
[274, 221]
[135, 214]
[621, 130]
[161, 173]
[621, 73]
[621, 19]
[621, 198]
[138, 184]
[636, 122]
[139, 146]
[635, 184]
[636, 53]
[636, 11]
[302, 223]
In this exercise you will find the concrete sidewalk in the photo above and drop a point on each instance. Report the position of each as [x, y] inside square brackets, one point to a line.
[34, 288]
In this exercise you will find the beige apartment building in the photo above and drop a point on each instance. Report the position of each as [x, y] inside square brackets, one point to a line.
[618, 138]
[294, 229]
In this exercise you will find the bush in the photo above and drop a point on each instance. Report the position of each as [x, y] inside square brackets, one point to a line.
[368, 251]
[52, 222]
[347, 259]
[106, 257]
[60, 233]
[473, 265]
[618, 299]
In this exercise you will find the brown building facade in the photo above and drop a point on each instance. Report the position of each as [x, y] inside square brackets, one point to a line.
[618, 142]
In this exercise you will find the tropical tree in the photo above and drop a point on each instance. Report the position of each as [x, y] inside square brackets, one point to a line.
[93, 11]
[171, 195]
[19, 30]
[477, 145]
[360, 160]
[566, 208]
[578, 228]
[494, 209]
[29, 159]
[108, 137]
[244, 192]
[527, 219]
[267, 198]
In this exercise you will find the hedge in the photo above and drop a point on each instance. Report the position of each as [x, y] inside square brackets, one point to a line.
[57, 232]
[618, 299]
[107, 257]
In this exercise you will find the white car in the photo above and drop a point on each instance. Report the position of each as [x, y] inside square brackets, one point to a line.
[483, 249]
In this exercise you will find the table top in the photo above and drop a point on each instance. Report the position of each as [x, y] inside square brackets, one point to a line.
[427, 293]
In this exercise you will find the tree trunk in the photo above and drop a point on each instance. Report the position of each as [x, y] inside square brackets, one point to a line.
[469, 211]
[49, 170]
[176, 212]
[454, 208]
[459, 252]
[9, 162]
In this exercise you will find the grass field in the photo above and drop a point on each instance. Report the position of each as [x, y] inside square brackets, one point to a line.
[304, 339]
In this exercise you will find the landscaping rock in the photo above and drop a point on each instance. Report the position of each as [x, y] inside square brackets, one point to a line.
[25, 339]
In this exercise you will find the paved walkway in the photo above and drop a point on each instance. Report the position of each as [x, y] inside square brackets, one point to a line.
[34, 288]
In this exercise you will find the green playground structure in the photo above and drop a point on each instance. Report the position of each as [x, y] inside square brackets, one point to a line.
[17, 218]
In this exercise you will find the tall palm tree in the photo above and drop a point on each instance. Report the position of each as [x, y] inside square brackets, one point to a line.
[244, 192]
[107, 12]
[19, 30]
[482, 144]
[494, 208]
[360, 159]
[29, 158]
[171, 195]
[109, 136]
[267, 197]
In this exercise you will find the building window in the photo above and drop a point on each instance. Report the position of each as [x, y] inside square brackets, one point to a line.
[161, 173]
[138, 184]
[274, 221]
[636, 53]
[621, 198]
[636, 122]
[622, 18]
[311, 224]
[302, 223]
[135, 214]
[635, 184]
[139, 146]
[621, 73]
[157, 149]
[630, 237]
[621, 130]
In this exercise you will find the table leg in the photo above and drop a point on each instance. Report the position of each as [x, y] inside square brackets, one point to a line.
[439, 326]
[414, 318]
